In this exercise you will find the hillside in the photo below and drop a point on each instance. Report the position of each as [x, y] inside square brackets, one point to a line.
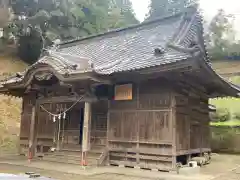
[227, 68]
[230, 70]
[10, 107]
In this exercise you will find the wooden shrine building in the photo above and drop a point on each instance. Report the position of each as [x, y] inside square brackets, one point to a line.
[136, 97]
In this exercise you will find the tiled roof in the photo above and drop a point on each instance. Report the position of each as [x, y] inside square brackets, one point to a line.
[129, 49]
[58, 63]
[120, 50]
[150, 44]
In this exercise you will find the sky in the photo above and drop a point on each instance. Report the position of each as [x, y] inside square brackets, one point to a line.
[209, 7]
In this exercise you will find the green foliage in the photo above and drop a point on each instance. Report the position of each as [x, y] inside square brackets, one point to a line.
[68, 19]
[235, 79]
[225, 139]
[237, 115]
[222, 115]
[232, 123]
[30, 47]
[226, 105]
[221, 36]
[213, 116]
[126, 11]
[167, 7]
[221, 139]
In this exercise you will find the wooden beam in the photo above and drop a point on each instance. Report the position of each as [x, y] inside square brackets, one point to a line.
[32, 133]
[100, 80]
[172, 119]
[108, 130]
[62, 99]
[86, 132]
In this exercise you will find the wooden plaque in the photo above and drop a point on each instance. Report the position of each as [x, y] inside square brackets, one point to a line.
[123, 92]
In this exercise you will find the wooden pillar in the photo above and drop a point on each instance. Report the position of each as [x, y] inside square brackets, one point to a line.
[32, 134]
[86, 132]
[172, 119]
[138, 127]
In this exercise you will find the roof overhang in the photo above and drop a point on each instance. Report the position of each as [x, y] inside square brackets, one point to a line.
[224, 88]
[43, 69]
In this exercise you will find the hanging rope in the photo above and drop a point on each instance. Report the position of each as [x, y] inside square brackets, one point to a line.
[62, 113]
[59, 122]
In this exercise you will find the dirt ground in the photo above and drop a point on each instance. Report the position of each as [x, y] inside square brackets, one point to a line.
[65, 176]
[222, 167]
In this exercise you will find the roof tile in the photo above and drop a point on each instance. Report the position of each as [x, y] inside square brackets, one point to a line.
[128, 49]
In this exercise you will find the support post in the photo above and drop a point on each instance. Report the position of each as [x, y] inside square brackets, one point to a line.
[108, 132]
[86, 132]
[172, 119]
[31, 150]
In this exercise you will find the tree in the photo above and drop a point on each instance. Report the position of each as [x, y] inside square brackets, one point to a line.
[127, 11]
[160, 8]
[221, 36]
[68, 19]
[5, 13]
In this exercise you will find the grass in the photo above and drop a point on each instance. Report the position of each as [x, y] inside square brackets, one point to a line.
[10, 107]
[234, 122]
[232, 104]
[10, 65]
[235, 79]
[225, 67]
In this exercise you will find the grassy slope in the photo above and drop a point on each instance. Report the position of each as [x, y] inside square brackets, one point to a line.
[10, 107]
[223, 67]
[232, 104]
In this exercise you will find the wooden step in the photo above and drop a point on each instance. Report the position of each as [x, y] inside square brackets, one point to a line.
[94, 150]
[71, 157]
[70, 153]
[70, 160]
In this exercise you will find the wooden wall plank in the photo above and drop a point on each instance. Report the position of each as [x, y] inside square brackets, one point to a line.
[192, 122]
[141, 126]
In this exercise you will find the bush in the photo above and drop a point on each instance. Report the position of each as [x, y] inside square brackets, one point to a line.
[30, 47]
[225, 139]
[213, 116]
[236, 115]
[221, 115]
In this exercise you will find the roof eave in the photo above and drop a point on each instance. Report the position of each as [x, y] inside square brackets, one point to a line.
[227, 88]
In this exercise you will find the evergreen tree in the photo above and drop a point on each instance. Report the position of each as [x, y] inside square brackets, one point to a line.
[221, 36]
[127, 11]
[160, 8]
[67, 19]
